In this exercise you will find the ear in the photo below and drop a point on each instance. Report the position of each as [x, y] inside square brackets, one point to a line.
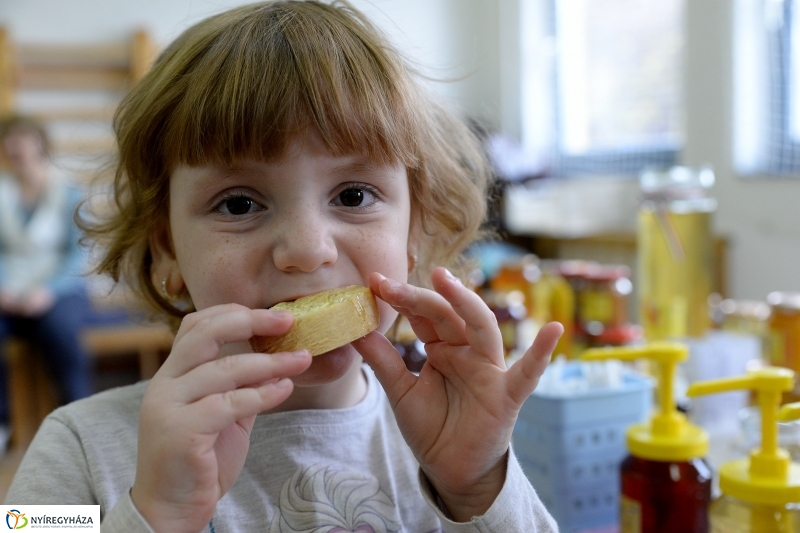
[165, 265]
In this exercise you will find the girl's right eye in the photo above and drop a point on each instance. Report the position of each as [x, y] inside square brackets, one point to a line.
[238, 205]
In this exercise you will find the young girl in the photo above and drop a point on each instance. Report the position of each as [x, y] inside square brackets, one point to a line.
[274, 151]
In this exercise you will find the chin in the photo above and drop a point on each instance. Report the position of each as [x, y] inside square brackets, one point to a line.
[328, 367]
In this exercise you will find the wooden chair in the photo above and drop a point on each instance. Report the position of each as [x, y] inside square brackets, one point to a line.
[99, 74]
[32, 390]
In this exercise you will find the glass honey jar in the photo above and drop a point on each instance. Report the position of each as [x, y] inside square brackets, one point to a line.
[665, 482]
[674, 252]
[603, 300]
[784, 329]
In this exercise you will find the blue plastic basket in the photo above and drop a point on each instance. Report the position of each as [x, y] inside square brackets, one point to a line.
[571, 447]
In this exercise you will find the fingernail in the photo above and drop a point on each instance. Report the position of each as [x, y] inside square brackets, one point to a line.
[450, 276]
[300, 354]
[394, 285]
[282, 314]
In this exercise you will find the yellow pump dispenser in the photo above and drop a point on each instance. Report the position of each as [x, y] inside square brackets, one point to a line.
[668, 436]
[760, 493]
[665, 484]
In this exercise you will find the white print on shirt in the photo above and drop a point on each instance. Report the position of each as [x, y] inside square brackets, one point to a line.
[334, 499]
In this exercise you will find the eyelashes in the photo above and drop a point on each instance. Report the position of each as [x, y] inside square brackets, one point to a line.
[354, 196]
[237, 204]
[357, 196]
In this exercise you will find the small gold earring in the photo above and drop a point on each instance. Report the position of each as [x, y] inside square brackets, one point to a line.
[164, 291]
[412, 263]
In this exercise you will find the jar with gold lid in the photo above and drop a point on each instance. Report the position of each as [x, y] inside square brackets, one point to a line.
[674, 244]
[784, 329]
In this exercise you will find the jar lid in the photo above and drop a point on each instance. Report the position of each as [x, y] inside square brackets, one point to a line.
[609, 273]
[744, 308]
[667, 435]
[678, 180]
[577, 268]
[619, 335]
[787, 301]
[767, 476]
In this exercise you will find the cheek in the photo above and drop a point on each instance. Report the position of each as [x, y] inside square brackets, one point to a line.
[388, 316]
[384, 251]
[217, 272]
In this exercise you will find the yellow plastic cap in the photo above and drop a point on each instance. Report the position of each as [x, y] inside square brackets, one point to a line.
[668, 435]
[768, 476]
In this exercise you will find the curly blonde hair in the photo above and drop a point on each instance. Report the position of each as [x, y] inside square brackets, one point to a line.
[243, 84]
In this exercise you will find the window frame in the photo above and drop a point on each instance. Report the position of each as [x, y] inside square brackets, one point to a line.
[783, 151]
[622, 161]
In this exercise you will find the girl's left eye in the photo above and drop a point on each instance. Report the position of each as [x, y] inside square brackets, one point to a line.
[238, 205]
[355, 197]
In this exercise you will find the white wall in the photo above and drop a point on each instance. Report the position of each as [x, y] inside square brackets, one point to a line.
[758, 214]
[450, 40]
[462, 40]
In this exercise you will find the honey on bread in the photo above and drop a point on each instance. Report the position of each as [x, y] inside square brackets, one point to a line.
[324, 321]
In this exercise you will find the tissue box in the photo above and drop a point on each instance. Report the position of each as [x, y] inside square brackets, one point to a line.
[571, 446]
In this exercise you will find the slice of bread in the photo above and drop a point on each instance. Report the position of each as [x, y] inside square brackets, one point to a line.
[324, 321]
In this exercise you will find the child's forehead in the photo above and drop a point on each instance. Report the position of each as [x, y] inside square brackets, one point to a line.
[351, 166]
[233, 95]
[307, 144]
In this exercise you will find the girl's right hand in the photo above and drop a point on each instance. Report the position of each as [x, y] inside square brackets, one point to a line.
[199, 409]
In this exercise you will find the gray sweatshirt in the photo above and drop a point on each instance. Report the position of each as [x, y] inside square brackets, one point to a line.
[308, 471]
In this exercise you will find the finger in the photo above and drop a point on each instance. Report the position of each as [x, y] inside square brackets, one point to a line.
[523, 376]
[481, 329]
[218, 411]
[388, 365]
[191, 320]
[431, 317]
[203, 341]
[422, 327]
[237, 371]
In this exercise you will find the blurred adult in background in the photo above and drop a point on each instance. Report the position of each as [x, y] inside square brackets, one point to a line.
[43, 295]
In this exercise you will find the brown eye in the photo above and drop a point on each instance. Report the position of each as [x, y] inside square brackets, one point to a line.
[351, 197]
[239, 206]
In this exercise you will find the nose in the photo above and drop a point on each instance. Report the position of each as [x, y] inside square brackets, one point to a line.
[305, 243]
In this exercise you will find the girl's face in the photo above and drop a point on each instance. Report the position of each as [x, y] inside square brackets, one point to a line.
[267, 232]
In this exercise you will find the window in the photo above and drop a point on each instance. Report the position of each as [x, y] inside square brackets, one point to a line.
[616, 85]
[767, 87]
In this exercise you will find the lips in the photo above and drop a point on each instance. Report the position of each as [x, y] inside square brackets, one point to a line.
[302, 294]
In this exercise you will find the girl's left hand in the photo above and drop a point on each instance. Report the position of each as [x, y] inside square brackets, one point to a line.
[458, 414]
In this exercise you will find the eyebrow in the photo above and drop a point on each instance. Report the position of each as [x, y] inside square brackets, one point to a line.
[358, 166]
[216, 173]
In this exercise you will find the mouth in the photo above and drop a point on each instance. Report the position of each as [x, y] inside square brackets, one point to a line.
[297, 296]
[324, 321]
[290, 299]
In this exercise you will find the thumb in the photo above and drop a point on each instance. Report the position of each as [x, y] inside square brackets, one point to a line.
[388, 365]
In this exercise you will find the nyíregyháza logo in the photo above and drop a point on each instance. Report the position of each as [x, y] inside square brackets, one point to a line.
[16, 519]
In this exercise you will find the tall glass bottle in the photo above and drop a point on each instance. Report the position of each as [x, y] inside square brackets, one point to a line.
[674, 245]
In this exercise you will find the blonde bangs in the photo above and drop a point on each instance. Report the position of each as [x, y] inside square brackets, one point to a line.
[283, 69]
